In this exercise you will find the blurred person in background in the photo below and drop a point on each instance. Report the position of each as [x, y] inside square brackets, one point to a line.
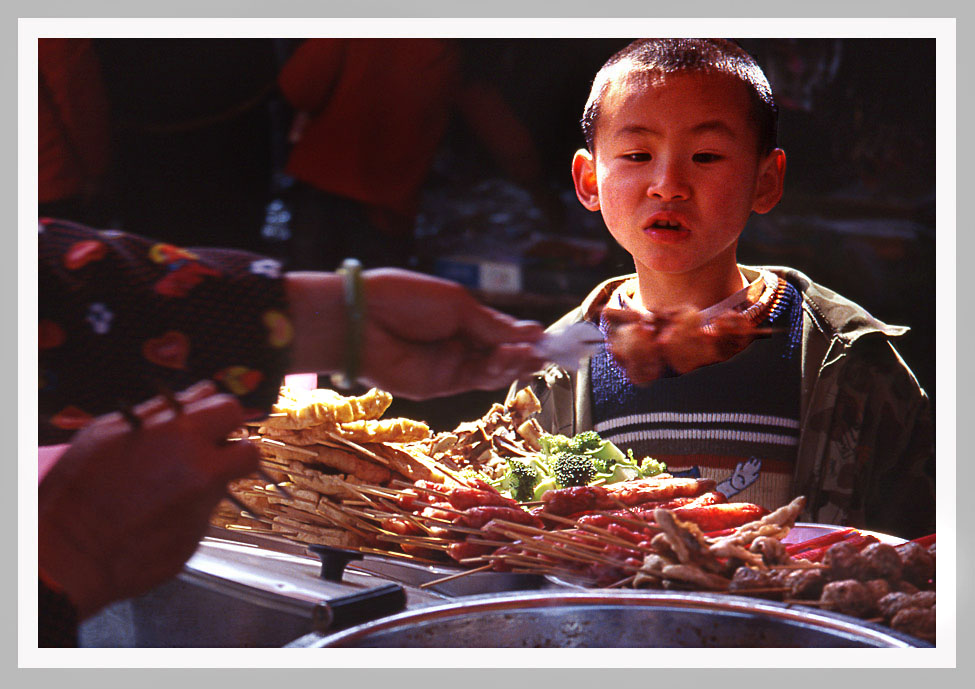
[72, 131]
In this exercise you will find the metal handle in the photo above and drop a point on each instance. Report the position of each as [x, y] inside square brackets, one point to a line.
[355, 608]
[334, 560]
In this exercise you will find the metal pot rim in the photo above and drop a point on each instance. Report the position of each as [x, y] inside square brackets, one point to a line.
[717, 602]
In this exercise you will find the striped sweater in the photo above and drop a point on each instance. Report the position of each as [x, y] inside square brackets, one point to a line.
[736, 421]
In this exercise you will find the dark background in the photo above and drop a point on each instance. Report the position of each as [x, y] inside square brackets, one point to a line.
[198, 135]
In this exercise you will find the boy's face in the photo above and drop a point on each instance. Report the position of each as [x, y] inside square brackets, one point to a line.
[676, 171]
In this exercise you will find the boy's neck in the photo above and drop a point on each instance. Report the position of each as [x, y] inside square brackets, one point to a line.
[663, 291]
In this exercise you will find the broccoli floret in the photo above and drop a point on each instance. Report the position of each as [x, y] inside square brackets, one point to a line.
[573, 470]
[554, 444]
[520, 480]
[602, 464]
[651, 467]
[587, 441]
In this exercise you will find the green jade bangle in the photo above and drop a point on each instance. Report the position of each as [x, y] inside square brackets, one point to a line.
[351, 272]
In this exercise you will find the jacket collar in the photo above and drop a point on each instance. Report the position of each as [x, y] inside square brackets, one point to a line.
[835, 315]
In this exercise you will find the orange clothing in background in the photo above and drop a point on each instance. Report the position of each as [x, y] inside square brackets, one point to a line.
[72, 120]
[378, 109]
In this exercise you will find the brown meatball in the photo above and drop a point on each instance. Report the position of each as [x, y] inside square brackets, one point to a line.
[843, 561]
[806, 583]
[881, 561]
[878, 587]
[919, 622]
[906, 587]
[918, 564]
[892, 603]
[923, 599]
[849, 597]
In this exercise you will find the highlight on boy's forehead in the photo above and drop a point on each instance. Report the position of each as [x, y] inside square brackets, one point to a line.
[718, 127]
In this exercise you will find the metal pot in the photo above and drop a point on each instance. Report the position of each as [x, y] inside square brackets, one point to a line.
[617, 619]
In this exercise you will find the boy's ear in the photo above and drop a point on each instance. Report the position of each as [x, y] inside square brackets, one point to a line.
[584, 178]
[771, 178]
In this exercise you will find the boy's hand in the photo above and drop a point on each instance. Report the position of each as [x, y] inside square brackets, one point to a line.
[646, 345]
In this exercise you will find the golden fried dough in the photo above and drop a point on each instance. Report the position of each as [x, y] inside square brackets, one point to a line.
[306, 408]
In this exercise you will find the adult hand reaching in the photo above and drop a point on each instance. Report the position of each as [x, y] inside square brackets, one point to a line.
[125, 507]
[422, 336]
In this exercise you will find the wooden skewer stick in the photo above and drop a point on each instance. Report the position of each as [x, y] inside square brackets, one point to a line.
[608, 537]
[418, 541]
[381, 492]
[398, 512]
[622, 582]
[474, 560]
[564, 551]
[557, 536]
[281, 489]
[340, 441]
[402, 556]
[285, 446]
[444, 580]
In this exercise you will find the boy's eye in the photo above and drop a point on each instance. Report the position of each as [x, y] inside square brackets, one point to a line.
[636, 157]
[706, 157]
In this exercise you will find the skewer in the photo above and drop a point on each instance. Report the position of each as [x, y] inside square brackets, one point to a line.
[473, 560]
[444, 580]
[622, 582]
[398, 512]
[418, 541]
[566, 551]
[281, 489]
[339, 441]
[285, 446]
[402, 556]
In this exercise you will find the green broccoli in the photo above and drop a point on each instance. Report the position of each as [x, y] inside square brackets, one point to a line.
[520, 480]
[587, 441]
[554, 444]
[651, 467]
[573, 470]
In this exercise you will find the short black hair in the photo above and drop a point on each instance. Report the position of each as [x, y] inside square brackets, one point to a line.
[669, 55]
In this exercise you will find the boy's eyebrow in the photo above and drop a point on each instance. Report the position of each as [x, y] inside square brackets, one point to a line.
[716, 126]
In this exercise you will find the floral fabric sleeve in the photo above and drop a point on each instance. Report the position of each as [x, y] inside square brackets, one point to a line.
[121, 317]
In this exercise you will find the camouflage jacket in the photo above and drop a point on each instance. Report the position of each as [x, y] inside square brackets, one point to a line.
[866, 444]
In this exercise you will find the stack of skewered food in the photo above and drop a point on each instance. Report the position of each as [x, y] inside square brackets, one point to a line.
[322, 446]
[332, 453]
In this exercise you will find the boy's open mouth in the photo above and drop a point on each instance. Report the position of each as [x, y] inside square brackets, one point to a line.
[666, 228]
[665, 225]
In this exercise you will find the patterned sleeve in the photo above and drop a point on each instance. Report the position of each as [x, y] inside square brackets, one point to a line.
[120, 317]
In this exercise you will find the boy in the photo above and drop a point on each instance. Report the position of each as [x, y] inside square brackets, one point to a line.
[681, 138]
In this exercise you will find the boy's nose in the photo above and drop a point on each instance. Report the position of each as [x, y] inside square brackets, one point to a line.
[668, 183]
